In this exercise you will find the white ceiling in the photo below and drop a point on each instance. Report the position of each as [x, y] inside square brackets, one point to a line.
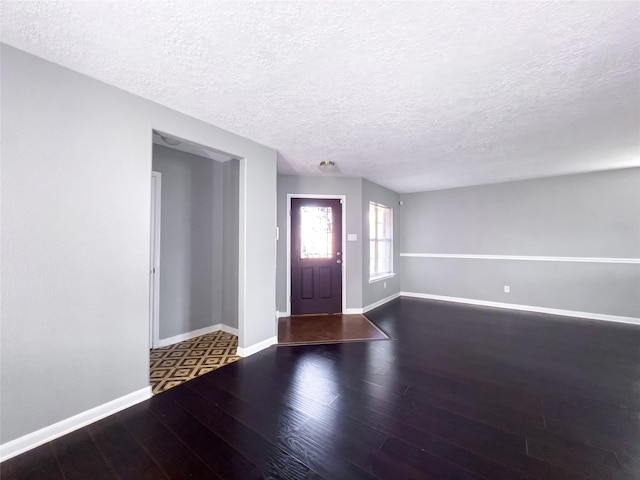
[411, 95]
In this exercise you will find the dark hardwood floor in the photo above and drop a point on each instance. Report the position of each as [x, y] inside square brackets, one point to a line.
[459, 392]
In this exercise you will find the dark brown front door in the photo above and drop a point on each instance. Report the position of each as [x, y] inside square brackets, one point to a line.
[316, 256]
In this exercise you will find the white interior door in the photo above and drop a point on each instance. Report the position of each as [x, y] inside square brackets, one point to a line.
[154, 261]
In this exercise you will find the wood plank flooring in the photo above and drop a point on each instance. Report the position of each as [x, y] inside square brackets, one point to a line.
[460, 392]
[326, 329]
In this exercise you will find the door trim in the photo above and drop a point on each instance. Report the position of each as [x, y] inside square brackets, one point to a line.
[344, 245]
[154, 263]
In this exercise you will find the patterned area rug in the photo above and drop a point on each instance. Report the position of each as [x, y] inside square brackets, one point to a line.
[180, 362]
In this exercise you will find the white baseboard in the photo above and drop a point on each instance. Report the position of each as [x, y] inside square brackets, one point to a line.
[355, 311]
[256, 347]
[282, 314]
[352, 311]
[379, 303]
[526, 308]
[163, 342]
[46, 434]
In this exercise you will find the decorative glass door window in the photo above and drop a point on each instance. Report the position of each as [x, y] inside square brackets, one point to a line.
[316, 225]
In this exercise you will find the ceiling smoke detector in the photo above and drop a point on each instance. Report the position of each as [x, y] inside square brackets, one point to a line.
[327, 166]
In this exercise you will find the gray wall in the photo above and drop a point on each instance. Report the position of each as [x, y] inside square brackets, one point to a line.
[587, 215]
[376, 291]
[75, 193]
[230, 242]
[194, 242]
[257, 248]
[319, 185]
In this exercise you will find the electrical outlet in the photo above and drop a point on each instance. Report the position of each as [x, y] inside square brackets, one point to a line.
[507, 289]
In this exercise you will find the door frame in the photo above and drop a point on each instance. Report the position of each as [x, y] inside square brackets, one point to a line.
[154, 262]
[343, 198]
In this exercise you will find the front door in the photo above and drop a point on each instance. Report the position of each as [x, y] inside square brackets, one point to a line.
[316, 256]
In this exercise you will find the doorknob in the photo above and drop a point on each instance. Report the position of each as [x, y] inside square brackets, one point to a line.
[339, 261]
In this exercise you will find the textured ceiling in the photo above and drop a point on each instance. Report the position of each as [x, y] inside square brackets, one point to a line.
[411, 95]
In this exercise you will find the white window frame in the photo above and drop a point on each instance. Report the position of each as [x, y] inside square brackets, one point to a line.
[377, 276]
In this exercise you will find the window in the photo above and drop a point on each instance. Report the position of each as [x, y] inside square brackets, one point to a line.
[380, 241]
[316, 232]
